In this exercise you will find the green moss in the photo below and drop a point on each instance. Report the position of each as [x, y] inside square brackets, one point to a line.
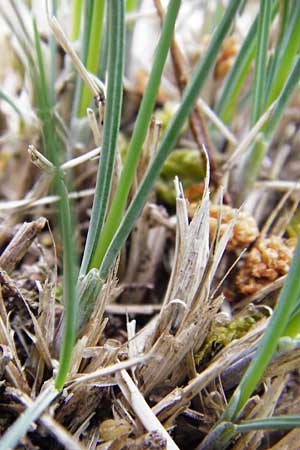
[184, 163]
[221, 335]
[293, 228]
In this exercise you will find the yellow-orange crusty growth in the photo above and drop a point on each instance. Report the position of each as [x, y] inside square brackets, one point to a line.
[269, 259]
[245, 230]
[226, 57]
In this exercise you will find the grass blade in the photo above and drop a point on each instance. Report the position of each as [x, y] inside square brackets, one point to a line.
[138, 137]
[131, 5]
[53, 56]
[239, 71]
[170, 137]
[286, 51]
[11, 102]
[274, 57]
[77, 8]
[44, 104]
[19, 428]
[69, 283]
[288, 298]
[261, 146]
[283, 99]
[221, 436]
[259, 81]
[269, 423]
[84, 45]
[93, 53]
[237, 75]
[116, 30]
[51, 142]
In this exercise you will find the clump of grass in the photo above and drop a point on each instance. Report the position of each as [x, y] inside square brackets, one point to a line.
[191, 303]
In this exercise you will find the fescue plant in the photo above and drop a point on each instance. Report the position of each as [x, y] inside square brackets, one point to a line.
[271, 71]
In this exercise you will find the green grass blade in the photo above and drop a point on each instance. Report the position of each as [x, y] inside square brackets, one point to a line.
[44, 103]
[69, 283]
[77, 8]
[131, 5]
[11, 102]
[288, 298]
[84, 46]
[53, 58]
[239, 72]
[293, 327]
[138, 136]
[274, 57]
[89, 288]
[253, 165]
[219, 438]
[269, 423]
[116, 30]
[93, 53]
[170, 137]
[259, 80]
[235, 81]
[287, 52]
[283, 99]
[19, 428]
[51, 143]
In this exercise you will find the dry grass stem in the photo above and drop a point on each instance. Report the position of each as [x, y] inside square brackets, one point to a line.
[142, 409]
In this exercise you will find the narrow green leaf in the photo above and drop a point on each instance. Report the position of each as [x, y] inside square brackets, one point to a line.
[274, 57]
[116, 30]
[86, 24]
[138, 137]
[288, 298]
[253, 164]
[269, 423]
[44, 104]
[131, 5]
[259, 80]
[93, 53]
[239, 71]
[53, 58]
[11, 103]
[293, 327]
[288, 47]
[65, 220]
[219, 437]
[19, 428]
[170, 137]
[283, 99]
[69, 283]
[77, 8]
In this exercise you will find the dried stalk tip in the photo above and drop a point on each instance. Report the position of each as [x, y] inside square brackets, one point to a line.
[245, 230]
[269, 259]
